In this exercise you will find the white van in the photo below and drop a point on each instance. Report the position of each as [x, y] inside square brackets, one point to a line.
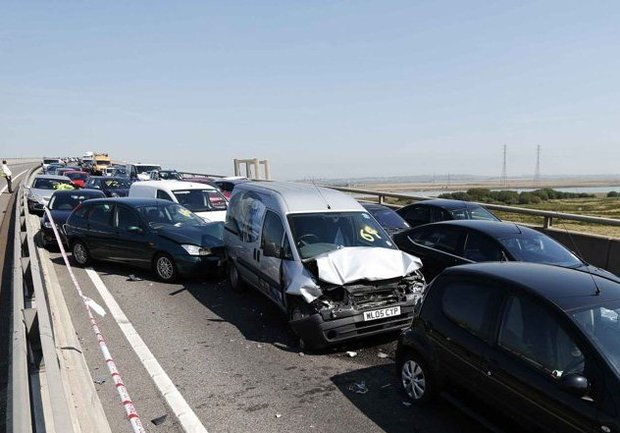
[204, 200]
[322, 258]
[140, 171]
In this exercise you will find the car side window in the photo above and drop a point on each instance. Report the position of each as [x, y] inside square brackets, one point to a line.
[273, 234]
[530, 332]
[468, 306]
[438, 214]
[418, 215]
[442, 238]
[479, 248]
[126, 218]
[163, 195]
[101, 215]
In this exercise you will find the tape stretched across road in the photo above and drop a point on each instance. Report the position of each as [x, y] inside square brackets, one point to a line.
[185, 415]
[130, 410]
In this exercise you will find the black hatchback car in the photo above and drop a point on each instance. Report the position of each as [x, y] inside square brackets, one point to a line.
[449, 243]
[61, 205]
[110, 186]
[148, 233]
[441, 209]
[538, 343]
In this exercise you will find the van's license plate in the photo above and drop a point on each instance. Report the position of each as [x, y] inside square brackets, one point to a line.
[381, 314]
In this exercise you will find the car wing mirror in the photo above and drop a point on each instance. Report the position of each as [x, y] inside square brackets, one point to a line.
[271, 250]
[575, 384]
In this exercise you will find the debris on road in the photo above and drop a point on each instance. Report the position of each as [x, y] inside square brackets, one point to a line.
[159, 420]
[132, 277]
[278, 415]
[301, 354]
[100, 380]
[386, 385]
[351, 354]
[382, 355]
[359, 387]
[406, 403]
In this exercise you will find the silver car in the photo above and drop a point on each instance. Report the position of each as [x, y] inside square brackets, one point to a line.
[41, 190]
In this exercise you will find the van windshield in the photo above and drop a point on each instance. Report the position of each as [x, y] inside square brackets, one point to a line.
[319, 233]
[140, 169]
[201, 200]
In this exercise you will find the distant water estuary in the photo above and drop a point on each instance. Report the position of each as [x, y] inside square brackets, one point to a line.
[583, 189]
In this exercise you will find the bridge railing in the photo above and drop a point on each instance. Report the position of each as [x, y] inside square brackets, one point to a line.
[601, 251]
[548, 216]
[37, 401]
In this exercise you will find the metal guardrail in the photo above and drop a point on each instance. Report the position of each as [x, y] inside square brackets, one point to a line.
[548, 216]
[37, 402]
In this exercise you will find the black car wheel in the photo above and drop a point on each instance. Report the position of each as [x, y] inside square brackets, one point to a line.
[416, 378]
[299, 310]
[165, 268]
[236, 282]
[80, 253]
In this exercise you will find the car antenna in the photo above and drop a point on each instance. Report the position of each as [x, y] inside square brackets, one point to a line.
[576, 248]
[321, 194]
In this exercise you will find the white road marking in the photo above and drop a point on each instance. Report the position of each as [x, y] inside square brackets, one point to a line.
[184, 413]
[6, 186]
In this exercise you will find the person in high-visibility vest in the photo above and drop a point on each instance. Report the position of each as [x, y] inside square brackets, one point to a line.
[8, 174]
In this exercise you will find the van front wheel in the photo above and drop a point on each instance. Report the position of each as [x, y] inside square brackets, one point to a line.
[236, 283]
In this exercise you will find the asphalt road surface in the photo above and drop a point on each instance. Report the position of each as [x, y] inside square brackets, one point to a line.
[236, 364]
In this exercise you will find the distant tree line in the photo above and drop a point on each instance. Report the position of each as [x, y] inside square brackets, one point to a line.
[484, 195]
[613, 194]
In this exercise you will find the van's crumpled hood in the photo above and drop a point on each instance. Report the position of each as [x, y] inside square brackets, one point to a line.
[351, 264]
[347, 265]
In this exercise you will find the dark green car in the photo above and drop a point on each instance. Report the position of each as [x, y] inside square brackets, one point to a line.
[147, 233]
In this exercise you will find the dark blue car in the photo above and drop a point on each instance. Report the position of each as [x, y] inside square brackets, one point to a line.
[147, 233]
[61, 205]
[111, 186]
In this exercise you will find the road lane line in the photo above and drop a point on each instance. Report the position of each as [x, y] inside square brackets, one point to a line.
[183, 412]
[6, 186]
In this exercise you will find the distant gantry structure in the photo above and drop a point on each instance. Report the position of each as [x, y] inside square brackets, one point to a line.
[252, 168]
[504, 178]
[537, 172]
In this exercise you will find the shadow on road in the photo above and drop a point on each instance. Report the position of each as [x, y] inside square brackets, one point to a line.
[375, 391]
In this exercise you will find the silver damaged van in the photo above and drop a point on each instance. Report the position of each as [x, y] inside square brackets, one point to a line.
[322, 258]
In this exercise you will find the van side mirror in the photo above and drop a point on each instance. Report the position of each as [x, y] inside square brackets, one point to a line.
[271, 250]
[575, 384]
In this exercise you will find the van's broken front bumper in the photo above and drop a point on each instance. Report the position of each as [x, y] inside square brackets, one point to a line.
[318, 331]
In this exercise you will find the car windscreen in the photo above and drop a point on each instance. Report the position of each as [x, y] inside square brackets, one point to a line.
[50, 161]
[116, 183]
[102, 162]
[390, 219]
[68, 201]
[74, 176]
[201, 200]
[531, 246]
[166, 175]
[602, 325]
[146, 168]
[318, 233]
[43, 183]
[169, 214]
[473, 212]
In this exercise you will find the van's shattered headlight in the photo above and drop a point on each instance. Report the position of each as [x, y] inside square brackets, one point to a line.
[195, 250]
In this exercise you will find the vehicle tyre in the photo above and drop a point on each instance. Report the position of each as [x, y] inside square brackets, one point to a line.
[165, 268]
[299, 310]
[80, 253]
[416, 378]
[234, 278]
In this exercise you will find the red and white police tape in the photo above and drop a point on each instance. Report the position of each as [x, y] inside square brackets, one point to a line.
[132, 414]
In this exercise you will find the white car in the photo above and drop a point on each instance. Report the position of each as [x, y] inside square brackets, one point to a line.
[41, 190]
[204, 200]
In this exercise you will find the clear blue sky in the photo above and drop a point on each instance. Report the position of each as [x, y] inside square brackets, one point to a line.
[320, 88]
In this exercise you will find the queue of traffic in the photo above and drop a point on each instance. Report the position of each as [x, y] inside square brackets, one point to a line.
[538, 337]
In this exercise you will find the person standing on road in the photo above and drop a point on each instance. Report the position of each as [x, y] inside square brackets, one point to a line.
[6, 172]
